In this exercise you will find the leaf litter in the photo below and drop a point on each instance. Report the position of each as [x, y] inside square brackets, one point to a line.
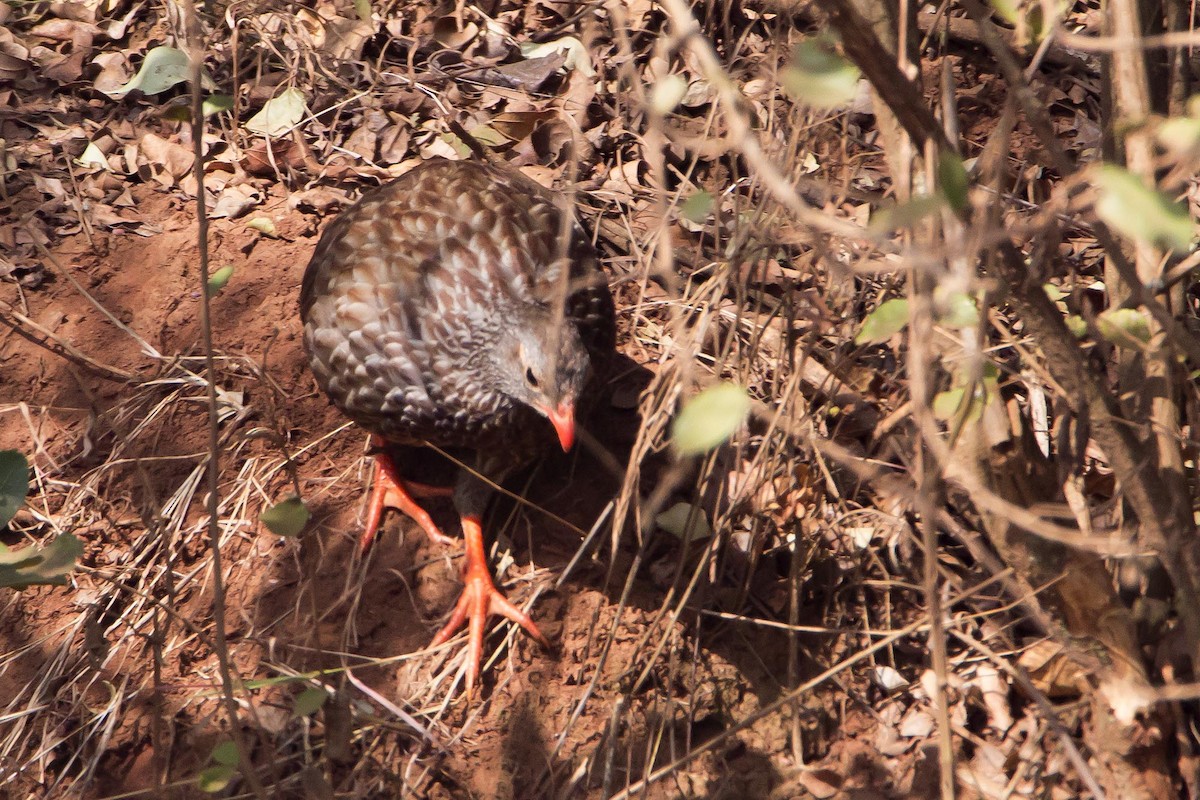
[715, 284]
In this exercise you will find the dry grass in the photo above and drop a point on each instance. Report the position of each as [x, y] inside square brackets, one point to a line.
[795, 649]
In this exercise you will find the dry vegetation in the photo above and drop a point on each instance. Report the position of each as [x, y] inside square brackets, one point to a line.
[952, 550]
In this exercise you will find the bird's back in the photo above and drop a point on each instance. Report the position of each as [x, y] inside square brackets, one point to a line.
[409, 284]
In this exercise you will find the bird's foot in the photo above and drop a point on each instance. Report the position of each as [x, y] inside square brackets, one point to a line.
[479, 599]
[392, 491]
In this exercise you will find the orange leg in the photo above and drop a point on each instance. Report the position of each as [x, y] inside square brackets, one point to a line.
[480, 598]
[392, 491]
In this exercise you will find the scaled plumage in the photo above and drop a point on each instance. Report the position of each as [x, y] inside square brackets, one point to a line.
[457, 306]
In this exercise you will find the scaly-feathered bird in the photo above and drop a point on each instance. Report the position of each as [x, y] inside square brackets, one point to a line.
[458, 306]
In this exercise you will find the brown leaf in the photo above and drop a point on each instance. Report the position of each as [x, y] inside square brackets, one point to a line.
[65, 69]
[49, 186]
[13, 66]
[533, 75]
[319, 200]
[79, 12]
[699, 93]
[448, 33]
[117, 28]
[404, 100]
[339, 37]
[577, 97]
[362, 142]
[345, 38]
[234, 201]
[114, 72]
[265, 158]
[14, 57]
[66, 30]
[169, 161]
[821, 784]
[393, 143]
[105, 216]
[552, 138]
[1053, 671]
[623, 180]
[516, 125]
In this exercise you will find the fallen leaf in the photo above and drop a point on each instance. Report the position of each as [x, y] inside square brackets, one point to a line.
[448, 33]
[169, 161]
[234, 201]
[280, 114]
[162, 68]
[576, 56]
[685, 521]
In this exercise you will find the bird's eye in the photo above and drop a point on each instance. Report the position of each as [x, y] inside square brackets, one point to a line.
[531, 378]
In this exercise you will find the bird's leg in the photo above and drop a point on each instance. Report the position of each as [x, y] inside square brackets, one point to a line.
[480, 598]
[392, 491]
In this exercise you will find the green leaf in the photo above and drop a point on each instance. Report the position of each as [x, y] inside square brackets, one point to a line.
[819, 76]
[953, 180]
[458, 144]
[710, 418]
[162, 68]
[1140, 212]
[308, 701]
[489, 136]
[215, 779]
[954, 403]
[216, 103]
[280, 114]
[1180, 135]
[14, 484]
[1054, 292]
[882, 323]
[226, 753]
[265, 226]
[685, 521]
[956, 310]
[947, 404]
[213, 104]
[286, 518]
[218, 279]
[20, 569]
[363, 9]
[697, 207]
[1076, 325]
[1008, 10]
[1124, 327]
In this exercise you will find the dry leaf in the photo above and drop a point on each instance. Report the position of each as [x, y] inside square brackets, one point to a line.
[994, 691]
[14, 57]
[49, 186]
[917, 724]
[622, 180]
[319, 200]
[168, 161]
[448, 33]
[234, 201]
[533, 75]
[1052, 670]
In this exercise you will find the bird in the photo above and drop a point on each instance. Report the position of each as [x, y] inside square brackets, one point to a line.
[459, 307]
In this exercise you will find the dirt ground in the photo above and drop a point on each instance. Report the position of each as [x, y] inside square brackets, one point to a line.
[295, 606]
[781, 657]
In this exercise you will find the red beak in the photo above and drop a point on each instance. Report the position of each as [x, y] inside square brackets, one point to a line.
[563, 420]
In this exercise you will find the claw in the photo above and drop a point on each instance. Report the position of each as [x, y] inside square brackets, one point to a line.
[479, 599]
[392, 491]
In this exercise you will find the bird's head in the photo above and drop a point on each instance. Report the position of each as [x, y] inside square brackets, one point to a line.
[546, 367]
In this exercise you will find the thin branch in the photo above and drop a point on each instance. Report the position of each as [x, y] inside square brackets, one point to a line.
[220, 639]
